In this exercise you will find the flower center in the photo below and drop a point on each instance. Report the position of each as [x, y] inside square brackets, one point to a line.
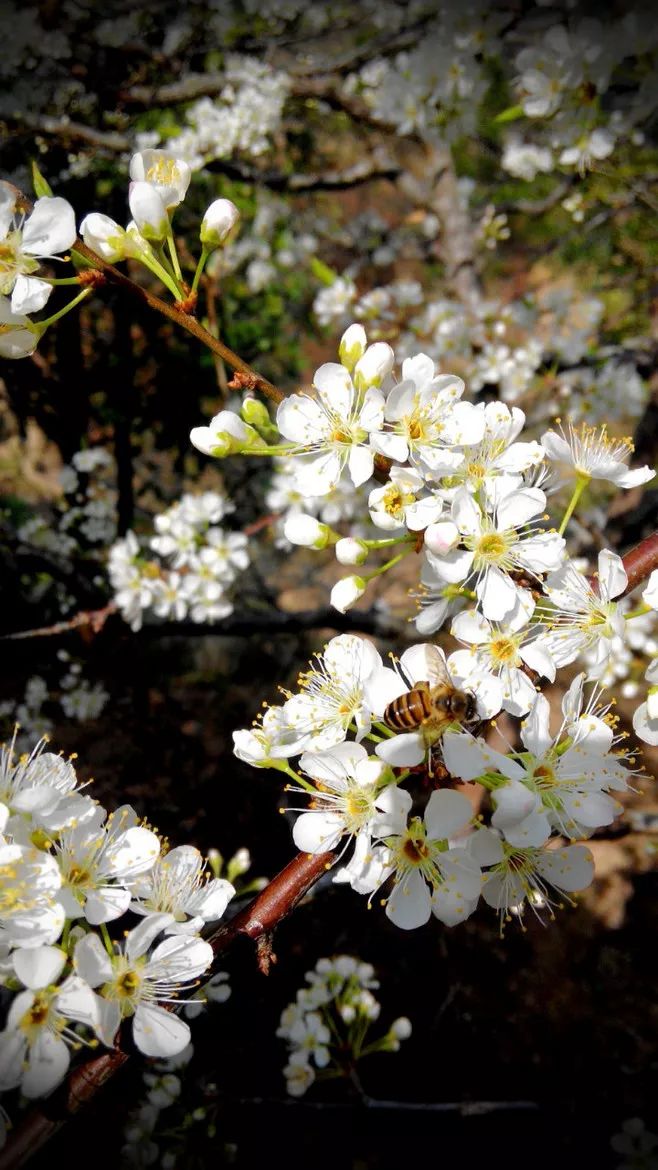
[491, 547]
[504, 650]
[164, 171]
[414, 851]
[127, 984]
[476, 471]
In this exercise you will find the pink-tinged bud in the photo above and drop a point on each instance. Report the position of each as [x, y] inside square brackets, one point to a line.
[306, 531]
[350, 551]
[219, 224]
[442, 537]
[148, 212]
[352, 346]
[346, 592]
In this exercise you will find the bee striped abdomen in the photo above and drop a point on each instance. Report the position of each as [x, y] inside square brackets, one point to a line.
[409, 711]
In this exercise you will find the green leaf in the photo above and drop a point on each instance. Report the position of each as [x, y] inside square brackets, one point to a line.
[41, 186]
[510, 114]
[322, 271]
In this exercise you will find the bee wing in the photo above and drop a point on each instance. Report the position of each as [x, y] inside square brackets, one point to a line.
[437, 669]
[425, 663]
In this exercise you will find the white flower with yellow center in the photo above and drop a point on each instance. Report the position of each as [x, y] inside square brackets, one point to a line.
[169, 176]
[34, 1048]
[180, 884]
[493, 666]
[133, 983]
[98, 862]
[40, 790]
[396, 505]
[48, 230]
[332, 695]
[497, 463]
[492, 547]
[427, 419]
[430, 874]
[30, 881]
[354, 798]
[332, 430]
[560, 782]
[582, 618]
[269, 742]
[593, 454]
[532, 877]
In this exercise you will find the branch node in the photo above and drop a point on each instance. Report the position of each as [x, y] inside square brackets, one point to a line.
[92, 278]
[264, 953]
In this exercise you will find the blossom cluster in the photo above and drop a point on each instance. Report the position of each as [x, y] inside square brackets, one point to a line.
[327, 1025]
[68, 872]
[158, 186]
[458, 481]
[199, 563]
[78, 698]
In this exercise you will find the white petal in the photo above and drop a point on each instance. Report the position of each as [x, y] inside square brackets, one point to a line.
[39, 966]
[634, 477]
[612, 575]
[403, 751]
[179, 959]
[409, 905]
[472, 627]
[159, 1033]
[451, 907]
[77, 1001]
[50, 228]
[463, 755]
[334, 386]
[360, 464]
[447, 812]
[134, 851]
[317, 832]
[106, 904]
[568, 869]
[12, 1054]
[532, 832]
[140, 939]
[535, 731]
[30, 294]
[92, 961]
[47, 1065]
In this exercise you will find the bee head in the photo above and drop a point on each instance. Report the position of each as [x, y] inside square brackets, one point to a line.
[464, 706]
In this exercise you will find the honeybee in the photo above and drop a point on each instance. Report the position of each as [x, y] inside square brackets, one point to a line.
[431, 706]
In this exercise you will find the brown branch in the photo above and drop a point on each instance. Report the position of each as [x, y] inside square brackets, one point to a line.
[184, 320]
[640, 562]
[258, 919]
[364, 171]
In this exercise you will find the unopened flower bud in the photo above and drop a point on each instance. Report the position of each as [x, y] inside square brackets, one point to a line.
[219, 224]
[227, 434]
[401, 1028]
[350, 551]
[352, 346]
[375, 364]
[307, 531]
[442, 537]
[104, 236]
[346, 592]
[255, 413]
[148, 212]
